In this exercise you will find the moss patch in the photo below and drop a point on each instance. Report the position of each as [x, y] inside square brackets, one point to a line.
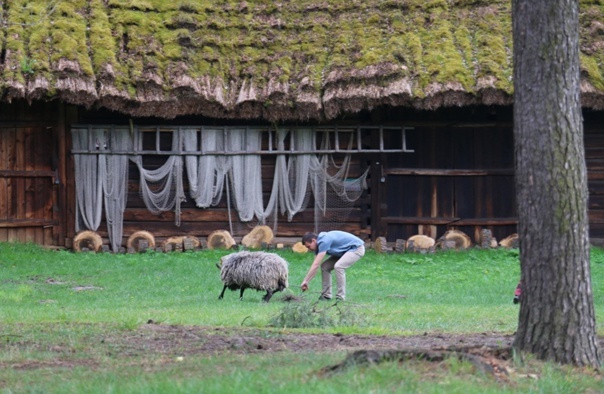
[448, 42]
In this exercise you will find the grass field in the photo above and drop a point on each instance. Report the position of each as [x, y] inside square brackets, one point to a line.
[79, 323]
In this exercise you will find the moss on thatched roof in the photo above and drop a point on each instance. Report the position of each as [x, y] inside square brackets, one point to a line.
[276, 60]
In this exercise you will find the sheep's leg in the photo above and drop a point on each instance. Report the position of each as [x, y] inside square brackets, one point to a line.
[241, 293]
[222, 293]
[267, 296]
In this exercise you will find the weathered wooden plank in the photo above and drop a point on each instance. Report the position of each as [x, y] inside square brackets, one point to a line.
[33, 122]
[448, 172]
[29, 164]
[451, 221]
[46, 187]
[25, 223]
[375, 201]
[594, 175]
[4, 187]
[221, 214]
[27, 173]
[20, 163]
[596, 201]
[596, 216]
[3, 209]
[11, 182]
[417, 220]
[486, 222]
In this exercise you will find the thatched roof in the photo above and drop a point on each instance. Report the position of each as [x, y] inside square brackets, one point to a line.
[270, 59]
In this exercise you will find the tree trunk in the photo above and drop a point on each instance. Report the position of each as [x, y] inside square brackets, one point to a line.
[557, 319]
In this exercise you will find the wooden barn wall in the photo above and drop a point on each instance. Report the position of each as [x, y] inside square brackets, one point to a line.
[594, 157]
[32, 174]
[457, 177]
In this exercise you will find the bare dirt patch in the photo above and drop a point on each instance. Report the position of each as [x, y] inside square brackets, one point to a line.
[488, 352]
[183, 340]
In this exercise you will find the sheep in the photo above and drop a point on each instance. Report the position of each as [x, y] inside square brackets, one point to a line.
[253, 270]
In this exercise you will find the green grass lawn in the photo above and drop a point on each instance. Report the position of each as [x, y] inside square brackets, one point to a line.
[59, 299]
[402, 293]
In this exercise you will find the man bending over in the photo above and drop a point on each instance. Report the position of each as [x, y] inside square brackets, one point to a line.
[343, 249]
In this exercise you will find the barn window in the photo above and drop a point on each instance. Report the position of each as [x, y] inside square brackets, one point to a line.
[169, 140]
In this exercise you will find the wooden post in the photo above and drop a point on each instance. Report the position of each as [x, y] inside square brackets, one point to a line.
[376, 198]
[67, 116]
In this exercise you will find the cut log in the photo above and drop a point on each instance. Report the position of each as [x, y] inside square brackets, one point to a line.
[87, 240]
[400, 245]
[299, 247]
[510, 242]
[186, 242]
[486, 238]
[381, 245]
[458, 239]
[140, 241]
[258, 237]
[420, 242]
[220, 239]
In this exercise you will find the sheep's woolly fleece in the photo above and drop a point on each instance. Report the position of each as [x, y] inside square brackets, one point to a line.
[255, 270]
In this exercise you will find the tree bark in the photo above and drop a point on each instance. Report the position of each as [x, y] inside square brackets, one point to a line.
[557, 319]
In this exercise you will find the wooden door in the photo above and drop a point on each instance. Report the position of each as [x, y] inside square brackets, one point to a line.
[28, 193]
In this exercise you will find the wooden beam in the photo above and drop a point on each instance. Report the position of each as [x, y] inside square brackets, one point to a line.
[27, 174]
[17, 223]
[446, 172]
[26, 123]
[487, 222]
[68, 114]
[418, 220]
[436, 221]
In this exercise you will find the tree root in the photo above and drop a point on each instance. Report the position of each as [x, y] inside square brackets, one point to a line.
[488, 361]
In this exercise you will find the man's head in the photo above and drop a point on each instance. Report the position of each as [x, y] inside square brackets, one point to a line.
[310, 240]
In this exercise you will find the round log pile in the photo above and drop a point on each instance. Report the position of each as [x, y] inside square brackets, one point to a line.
[87, 241]
[299, 247]
[420, 243]
[220, 239]
[510, 241]
[180, 243]
[381, 245]
[258, 238]
[140, 241]
[454, 239]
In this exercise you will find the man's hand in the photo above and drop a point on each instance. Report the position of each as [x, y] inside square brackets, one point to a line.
[304, 286]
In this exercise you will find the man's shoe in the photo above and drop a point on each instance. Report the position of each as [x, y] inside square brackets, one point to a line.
[323, 298]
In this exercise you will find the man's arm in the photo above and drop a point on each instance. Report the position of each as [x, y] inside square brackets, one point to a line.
[313, 270]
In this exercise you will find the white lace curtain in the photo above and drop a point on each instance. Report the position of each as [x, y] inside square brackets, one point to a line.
[101, 178]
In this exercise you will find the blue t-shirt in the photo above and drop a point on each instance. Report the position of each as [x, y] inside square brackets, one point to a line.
[336, 243]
